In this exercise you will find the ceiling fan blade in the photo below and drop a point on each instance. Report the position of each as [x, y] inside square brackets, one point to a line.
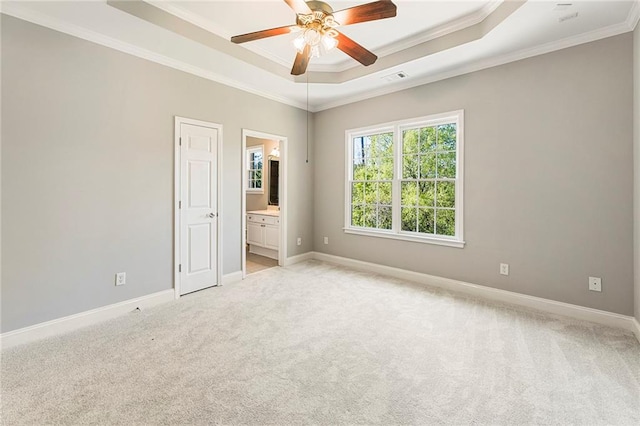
[355, 50]
[367, 12]
[298, 6]
[301, 62]
[262, 34]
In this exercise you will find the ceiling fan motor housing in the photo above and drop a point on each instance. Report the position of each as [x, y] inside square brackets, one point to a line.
[320, 6]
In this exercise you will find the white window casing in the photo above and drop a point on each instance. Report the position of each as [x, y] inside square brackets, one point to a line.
[440, 157]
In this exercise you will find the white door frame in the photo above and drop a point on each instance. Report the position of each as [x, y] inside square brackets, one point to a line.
[176, 200]
[282, 193]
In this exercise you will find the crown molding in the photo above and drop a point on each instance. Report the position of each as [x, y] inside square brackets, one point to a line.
[634, 15]
[468, 20]
[465, 21]
[162, 18]
[610, 31]
[422, 50]
[13, 9]
[207, 25]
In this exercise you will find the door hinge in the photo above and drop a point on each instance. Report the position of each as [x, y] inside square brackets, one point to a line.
[179, 204]
[180, 142]
[180, 268]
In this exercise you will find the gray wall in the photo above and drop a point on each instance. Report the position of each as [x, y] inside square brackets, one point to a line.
[257, 201]
[87, 171]
[636, 167]
[548, 176]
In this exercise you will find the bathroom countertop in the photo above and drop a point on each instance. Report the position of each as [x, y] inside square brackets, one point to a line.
[269, 212]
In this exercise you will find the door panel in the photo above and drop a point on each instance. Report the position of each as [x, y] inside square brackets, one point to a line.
[272, 237]
[254, 233]
[199, 248]
[198, 215]
[199, 184]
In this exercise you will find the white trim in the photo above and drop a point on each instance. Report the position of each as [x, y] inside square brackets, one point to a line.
[299, 258]
[14, 9]
[177, 258]
[176, 205]
[283, 146]
[545, 305]
[266, 252]
[636, 328]
[458, 24]
[404, 237]
[198, 21]
[77, 321]
[598, 34]
[397, 127]
[82, 319]
[246, 151]
[634, 15]
[466, 21]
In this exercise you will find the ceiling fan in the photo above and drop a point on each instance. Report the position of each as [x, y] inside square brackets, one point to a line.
[316, 22]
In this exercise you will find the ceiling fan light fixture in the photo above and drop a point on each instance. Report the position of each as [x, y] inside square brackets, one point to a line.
[329, 42]
[312, 37]
[318, 40]
[299, 43]
[316, 24]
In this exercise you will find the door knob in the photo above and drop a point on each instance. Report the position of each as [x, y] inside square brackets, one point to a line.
[211, 215]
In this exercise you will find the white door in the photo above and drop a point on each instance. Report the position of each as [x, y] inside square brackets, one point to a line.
[199, 209]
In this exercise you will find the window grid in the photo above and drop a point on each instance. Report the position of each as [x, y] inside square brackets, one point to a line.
[372, 181]
[255, 168]
[428, 165]
[420, 197]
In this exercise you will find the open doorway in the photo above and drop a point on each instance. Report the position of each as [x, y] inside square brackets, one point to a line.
[263, 201]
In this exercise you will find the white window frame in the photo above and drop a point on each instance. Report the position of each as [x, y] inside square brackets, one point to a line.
[397, 127]
[251, 150]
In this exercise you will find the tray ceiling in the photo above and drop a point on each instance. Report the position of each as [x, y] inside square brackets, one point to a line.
[427, 41]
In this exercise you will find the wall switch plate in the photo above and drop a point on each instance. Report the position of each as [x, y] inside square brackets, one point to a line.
[504, 269]
[121, 278]
[299, 242]
[326, 240]
[595, 284]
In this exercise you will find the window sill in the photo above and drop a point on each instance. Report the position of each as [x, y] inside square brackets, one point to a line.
[405, 237]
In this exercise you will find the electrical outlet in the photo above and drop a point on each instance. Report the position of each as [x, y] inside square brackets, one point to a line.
[121, 278]
[504, 269]
[595, 284]
[299, 242]
[326, 240]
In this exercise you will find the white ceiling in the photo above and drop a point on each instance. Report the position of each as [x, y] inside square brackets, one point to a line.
[262, 66]
[229, 18]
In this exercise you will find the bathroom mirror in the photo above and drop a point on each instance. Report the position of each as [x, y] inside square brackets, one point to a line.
[274, 173]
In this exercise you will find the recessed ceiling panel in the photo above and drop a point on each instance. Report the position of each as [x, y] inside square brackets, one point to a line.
[414, 19]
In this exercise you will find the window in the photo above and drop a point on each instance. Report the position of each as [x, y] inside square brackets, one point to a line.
[404, 180]
[255, 163]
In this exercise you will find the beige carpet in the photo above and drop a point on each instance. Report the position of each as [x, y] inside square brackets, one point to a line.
[318, 344]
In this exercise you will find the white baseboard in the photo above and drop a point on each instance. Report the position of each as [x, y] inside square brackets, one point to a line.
[299, 258]
[263, 251]
[546, 305]
[82, 319]
[231, 278]
[636, 329]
